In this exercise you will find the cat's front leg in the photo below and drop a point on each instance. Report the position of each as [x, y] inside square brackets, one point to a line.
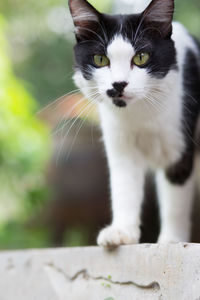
[127, 172]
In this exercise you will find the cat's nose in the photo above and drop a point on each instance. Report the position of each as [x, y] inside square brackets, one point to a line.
[120, 86]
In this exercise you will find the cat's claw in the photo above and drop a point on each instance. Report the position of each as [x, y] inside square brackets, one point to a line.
[112, 237]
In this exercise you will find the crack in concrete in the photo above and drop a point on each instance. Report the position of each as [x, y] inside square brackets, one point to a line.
[84, 273]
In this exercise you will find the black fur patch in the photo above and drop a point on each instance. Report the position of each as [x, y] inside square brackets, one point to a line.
[119, 102]
[181, 171]
[84, 53]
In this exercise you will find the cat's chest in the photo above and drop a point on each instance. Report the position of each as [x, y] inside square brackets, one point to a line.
[161, 143]
[160, 146]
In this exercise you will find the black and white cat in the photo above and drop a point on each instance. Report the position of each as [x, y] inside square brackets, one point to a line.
[144, 73]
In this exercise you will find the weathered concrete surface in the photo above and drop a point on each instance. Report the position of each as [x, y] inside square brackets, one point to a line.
[169, 272]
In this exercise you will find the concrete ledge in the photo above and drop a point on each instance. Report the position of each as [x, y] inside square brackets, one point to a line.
[170, 272]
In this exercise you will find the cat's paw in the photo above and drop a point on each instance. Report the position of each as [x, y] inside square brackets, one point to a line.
[112, 236]
[167, 239]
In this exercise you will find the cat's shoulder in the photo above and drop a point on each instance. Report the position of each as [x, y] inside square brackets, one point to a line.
[183, 39]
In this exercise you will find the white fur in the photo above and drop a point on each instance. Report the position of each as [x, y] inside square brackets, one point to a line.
[83, 15]
[142, 136]
[175, 209]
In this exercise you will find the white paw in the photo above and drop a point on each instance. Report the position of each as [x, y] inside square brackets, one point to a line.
[113, 236]
[166, 239]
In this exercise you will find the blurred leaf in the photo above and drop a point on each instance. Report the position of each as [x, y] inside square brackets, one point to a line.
[15, 235]
[102, 6]
[24, 141]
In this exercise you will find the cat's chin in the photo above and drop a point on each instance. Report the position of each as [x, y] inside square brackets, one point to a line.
[119, 102]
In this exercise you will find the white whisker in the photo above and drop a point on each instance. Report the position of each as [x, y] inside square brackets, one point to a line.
[90, 108]
[79, 115]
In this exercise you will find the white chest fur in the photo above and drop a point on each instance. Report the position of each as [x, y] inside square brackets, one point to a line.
[156, 135]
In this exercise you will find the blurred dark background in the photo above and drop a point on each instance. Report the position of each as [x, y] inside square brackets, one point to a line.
[53, 173]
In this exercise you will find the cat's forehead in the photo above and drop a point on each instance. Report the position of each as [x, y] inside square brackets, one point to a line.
[126, 25]
[120, 47]
[125, 32]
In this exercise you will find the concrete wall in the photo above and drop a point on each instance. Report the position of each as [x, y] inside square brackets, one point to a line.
[169, 272]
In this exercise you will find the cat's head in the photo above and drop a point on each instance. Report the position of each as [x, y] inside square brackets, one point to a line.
[122, 57]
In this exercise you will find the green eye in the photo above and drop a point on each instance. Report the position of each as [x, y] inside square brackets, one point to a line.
[101, 60]
[141, 59]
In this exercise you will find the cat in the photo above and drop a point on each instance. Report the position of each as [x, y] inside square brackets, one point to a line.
[143, 71]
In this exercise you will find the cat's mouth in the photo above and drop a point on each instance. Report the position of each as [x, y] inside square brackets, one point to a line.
[119, 102]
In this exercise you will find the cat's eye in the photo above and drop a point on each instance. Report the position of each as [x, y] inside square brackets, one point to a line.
[101, 60]
[141, 59]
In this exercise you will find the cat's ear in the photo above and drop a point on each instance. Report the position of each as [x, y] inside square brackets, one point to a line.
[85, 17]
[159, 14]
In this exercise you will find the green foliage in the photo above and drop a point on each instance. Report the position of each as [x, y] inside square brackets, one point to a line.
[23, 144]
[76, 236]
[102, 6]
[41, 43]
[17, 235]
[187, 12]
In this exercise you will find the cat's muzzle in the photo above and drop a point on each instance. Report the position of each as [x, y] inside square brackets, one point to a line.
[116, 98]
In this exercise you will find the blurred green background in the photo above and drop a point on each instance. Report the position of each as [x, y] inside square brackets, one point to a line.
[36, 65]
